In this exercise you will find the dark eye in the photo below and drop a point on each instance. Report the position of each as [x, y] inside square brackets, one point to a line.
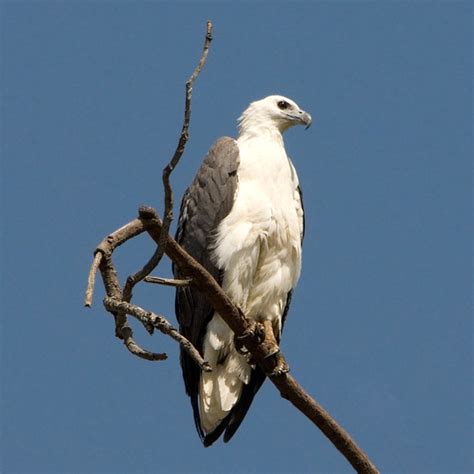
[283, 104]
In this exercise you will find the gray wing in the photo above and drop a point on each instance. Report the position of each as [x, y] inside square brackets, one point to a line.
[290, 293]
[205, 204]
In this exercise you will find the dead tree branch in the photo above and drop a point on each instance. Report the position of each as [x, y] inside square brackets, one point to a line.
[167, 281]
[108, 245]
[91, 279]
[168, 198]
[159, 322]
[264, 350]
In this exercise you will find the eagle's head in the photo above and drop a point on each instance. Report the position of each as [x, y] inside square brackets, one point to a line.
[273, 112]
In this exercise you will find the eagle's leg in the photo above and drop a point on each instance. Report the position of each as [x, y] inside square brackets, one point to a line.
[272, 338]
[281, 367]
[268, 335]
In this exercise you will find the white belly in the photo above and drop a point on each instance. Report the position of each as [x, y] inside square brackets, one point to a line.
[260, 254]
[259, 243]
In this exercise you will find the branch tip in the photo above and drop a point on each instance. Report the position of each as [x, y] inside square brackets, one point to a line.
[209, 31]
[168, 281]
[91, 279]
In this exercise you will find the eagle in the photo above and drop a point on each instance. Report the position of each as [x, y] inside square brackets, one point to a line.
[242, 218]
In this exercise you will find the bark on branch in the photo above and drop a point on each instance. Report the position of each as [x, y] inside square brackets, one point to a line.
[264, 350]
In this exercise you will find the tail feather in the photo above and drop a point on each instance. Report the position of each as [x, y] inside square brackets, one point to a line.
[220, 390]
[231, 422]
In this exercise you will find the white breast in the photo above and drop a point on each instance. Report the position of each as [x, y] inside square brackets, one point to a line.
[259, 242]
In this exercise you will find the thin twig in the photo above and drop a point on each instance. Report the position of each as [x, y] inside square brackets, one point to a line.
[91, 280]
[168, 213]
[105, 248]
[132, 280]
[160, 323]
[168, 281]
[136, 350]
[114, 294]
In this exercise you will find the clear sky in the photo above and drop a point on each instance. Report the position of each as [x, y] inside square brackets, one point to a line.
[380, 328]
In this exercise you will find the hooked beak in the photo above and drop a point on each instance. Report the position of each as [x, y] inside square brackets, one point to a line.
[305, 119]
[302, 118]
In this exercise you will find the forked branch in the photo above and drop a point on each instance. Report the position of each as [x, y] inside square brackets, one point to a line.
[147, 318]
[168, 169]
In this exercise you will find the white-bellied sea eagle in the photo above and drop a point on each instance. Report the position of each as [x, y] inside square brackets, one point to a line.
[242, 219]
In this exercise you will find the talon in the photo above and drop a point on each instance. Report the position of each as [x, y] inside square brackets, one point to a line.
[257, 331]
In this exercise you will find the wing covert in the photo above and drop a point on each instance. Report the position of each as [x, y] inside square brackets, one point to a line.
[207, 201]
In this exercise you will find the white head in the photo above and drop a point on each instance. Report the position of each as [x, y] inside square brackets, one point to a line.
[274, 113]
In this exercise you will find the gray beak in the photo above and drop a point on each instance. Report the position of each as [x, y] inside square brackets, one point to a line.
[305, 119]
[300, 117]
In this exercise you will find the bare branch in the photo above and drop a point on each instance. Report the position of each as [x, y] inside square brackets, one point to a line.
[292, 391]
[103, 252]
[136, 350]
[202, 60]
[183, 139]
[155, 259]
[91, 280]
[168, 213]
[119, 310]
[160, 323]
[167, 281]
[132, 280]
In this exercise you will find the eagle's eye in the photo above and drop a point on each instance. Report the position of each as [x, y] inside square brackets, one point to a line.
[283, 105]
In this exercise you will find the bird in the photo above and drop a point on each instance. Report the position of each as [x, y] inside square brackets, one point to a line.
[242, 218]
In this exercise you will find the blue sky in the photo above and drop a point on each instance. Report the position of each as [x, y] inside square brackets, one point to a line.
[380, 329]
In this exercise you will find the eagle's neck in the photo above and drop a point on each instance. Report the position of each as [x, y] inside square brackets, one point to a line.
[263, 157]
[257, 130]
